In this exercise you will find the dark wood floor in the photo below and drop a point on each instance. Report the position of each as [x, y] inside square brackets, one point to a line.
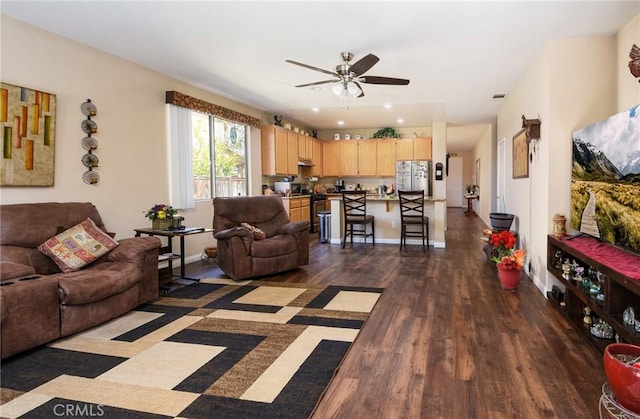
[445, 341]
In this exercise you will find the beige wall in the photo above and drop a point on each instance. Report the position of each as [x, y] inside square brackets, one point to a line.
[628, 92]
[572, 84]
[485, 152]
[132, 128]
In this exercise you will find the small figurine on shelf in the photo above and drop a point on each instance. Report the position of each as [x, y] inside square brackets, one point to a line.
[587, 316]
[566, 269]
[579, 271]
[558, 256]
[629, 316]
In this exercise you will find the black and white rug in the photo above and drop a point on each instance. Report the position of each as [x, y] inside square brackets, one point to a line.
[220, 349]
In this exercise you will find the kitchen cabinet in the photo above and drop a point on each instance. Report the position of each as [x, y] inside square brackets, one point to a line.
[349, 150]
[305, 147]
[404, 149]
[292, 153]
[386, 157]
[367, 157]
[422, 148]
[359, 157]
[274, 143]
[419, 148]
[316, 158]
[331, 158]
[298, 208]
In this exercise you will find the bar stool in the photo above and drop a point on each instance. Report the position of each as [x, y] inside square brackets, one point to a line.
[354, 210]
[412, 216]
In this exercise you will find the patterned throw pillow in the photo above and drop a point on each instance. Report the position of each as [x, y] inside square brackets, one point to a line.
[78, 246]
[257, 233]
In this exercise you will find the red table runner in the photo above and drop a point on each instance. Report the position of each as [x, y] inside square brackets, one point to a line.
[617, 259]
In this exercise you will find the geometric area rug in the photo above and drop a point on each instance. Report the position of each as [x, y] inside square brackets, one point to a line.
[219, 349]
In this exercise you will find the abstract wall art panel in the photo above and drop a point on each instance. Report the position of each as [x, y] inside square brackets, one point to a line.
[27, 126]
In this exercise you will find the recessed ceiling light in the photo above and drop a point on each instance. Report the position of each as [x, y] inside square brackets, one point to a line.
[400, 120]
[340, 122]
[315, 109]
[387, 106]
[499, 95]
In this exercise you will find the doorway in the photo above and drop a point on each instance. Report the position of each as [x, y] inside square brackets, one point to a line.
[455, 184]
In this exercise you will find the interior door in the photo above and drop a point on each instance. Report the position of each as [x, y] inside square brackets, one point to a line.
[455, 187]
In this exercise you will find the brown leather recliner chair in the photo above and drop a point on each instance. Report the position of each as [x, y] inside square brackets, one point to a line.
[240, 256]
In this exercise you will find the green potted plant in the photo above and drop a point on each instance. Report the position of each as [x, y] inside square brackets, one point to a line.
[387, 132]
[160, 216]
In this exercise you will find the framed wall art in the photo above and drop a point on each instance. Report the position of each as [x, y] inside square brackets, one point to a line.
[520, 155]
[27, 130]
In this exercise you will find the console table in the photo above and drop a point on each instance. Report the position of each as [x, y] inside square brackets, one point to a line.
[167, 252]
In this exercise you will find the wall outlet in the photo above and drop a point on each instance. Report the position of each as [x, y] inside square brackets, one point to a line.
[393, 224]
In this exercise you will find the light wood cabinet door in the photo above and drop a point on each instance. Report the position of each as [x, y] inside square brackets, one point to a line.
[309, 147]
[274, 150]
[316, 158]
[292, 153]
[386, 157]
[305, 209]
[331, 158]
[349, 158]
[422, 148]
[367, 157]
[404, 149]
[295, 214]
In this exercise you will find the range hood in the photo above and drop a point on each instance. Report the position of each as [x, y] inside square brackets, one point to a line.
[306, 163]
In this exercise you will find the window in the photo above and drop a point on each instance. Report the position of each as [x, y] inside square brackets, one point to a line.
[219, 148]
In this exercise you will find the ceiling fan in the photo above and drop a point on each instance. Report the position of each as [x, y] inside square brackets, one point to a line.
[349, 76]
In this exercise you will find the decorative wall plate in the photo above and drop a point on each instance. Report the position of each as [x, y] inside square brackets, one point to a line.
[90, 160]
[91, 177]
[89, 126]
[89, 143]
[88, 109]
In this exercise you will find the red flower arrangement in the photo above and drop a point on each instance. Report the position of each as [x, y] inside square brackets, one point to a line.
[504, 253]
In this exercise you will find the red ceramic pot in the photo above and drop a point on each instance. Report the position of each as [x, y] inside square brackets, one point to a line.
[624, 379]
[509, 278]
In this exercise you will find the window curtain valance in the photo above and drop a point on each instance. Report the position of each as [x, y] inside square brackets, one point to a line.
[186, 101]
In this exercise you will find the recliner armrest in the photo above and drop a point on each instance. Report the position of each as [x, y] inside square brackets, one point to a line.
[294, 228]
[233, 232]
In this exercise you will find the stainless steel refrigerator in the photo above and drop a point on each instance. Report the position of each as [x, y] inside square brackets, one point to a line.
[413, 175]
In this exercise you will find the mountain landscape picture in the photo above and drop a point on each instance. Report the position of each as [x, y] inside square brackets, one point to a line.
[605, 180]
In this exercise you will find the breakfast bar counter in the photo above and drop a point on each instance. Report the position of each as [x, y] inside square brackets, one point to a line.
[386, 210]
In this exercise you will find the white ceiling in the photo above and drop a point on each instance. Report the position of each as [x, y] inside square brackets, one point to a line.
[456, 54]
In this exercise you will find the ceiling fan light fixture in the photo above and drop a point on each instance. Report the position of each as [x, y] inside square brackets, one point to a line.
[353, 89]
[340, 90]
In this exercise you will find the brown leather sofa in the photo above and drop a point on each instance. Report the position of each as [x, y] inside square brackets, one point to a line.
[39, 303]
[285, 247]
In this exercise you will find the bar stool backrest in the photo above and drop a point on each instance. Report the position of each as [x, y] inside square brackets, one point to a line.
[411, 205]
[354, 204]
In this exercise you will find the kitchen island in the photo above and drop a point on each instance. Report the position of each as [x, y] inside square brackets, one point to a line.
[386, 210]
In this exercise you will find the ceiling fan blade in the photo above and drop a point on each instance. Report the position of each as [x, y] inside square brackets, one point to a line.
[316, 83]
[310, 67]
[383, 80]
[361, 89]
[364, 64]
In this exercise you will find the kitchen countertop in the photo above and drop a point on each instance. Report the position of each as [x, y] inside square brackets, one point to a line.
[386, 198]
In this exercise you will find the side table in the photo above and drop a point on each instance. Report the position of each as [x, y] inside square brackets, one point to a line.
[170, 234]
[470, 199]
